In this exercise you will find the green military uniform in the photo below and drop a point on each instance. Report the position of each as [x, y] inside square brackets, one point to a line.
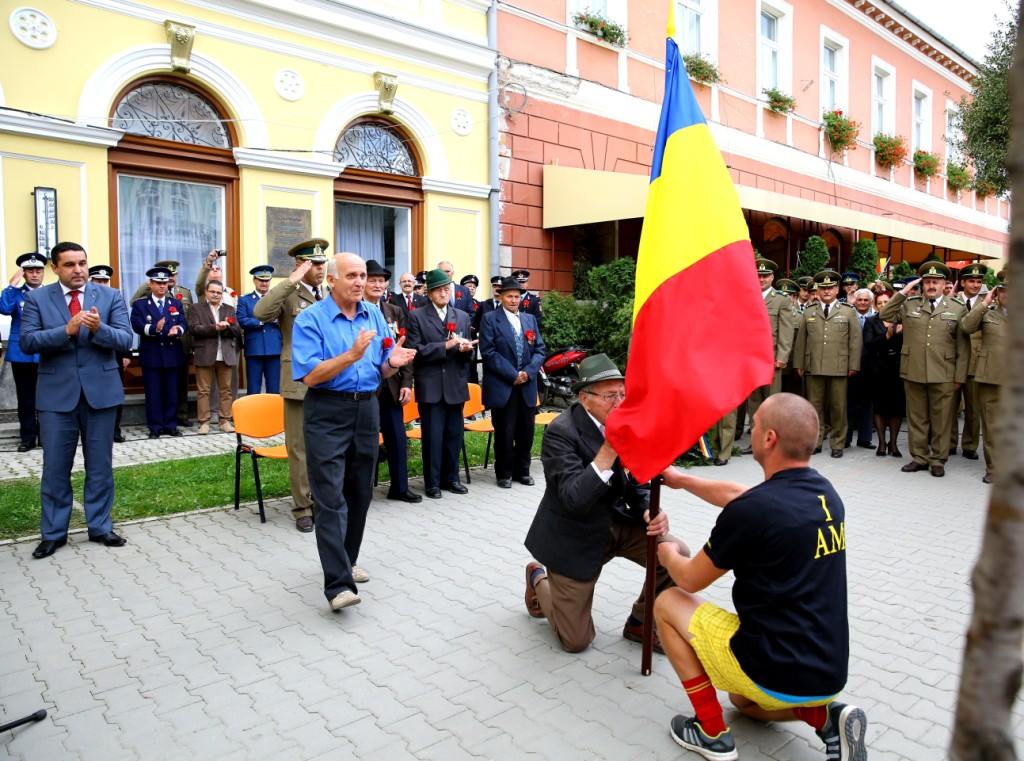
[791, 382]
[992, 327]
[284, 302]
[935, 356]
[968, 393]
[828, 346]
[723, 437]
[783, 318]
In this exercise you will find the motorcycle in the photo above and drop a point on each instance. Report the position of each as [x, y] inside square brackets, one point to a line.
[557, 375]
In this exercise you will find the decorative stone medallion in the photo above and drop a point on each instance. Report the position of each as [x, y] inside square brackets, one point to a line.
[33, 28]
[462, 122]
[289, 84]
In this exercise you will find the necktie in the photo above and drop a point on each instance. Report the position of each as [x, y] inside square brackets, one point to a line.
[519, 348]
[316, 293]
[826, 310]
[408, 302]
[74, 305]
[160, 305]
[968, 304]
[932, 302]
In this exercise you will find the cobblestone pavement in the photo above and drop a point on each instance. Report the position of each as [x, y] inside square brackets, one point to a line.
[208, 636]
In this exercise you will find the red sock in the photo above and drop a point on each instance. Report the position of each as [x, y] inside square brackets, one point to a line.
[702, 695]
[816, 716]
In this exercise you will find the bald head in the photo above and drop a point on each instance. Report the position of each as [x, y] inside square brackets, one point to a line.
[348, 281]
[793, 422]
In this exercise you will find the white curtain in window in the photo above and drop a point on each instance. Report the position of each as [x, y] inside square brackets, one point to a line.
[166, 219]
[360, 228]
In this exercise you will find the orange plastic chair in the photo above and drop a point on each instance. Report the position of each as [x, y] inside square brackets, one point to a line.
[475, 406]
[410, 413]
[257, 416]
[544, 419]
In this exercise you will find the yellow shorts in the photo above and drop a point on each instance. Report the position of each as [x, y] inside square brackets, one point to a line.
[711, 629]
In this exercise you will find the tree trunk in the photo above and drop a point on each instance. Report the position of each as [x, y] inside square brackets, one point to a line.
[992, 667]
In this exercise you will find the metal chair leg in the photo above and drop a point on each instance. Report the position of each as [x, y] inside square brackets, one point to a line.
[259, 488]
[487, 452]
[238, 472]
[465, 461]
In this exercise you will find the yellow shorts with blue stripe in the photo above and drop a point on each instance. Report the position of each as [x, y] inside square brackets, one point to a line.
[711, 630]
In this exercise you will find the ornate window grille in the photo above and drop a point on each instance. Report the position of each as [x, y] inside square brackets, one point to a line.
[376, 146]
[171, 112]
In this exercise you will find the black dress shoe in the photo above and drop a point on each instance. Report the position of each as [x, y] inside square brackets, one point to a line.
[119, 437]
[837, 452]
[47, 547]
[154, 435]
[504, 483]
[882, 450]
[719, 461]
[865, 444]
[895, 452]
[817, 451]
[175, 432]
[184, 422]
[26, 447]
[526, 480]
[108, 540]
[304, 524]
[970, 455]
[913, 467]
[406, 496]
[434, 493]
[937, 470]
[456, 488]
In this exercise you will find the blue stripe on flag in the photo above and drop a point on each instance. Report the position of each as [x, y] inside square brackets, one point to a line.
[679, 109]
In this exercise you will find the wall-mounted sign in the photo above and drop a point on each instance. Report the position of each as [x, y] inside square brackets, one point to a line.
[285, 228]
[46, 219]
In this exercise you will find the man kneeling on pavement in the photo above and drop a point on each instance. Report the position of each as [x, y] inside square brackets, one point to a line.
[592, 511]
[784, 654]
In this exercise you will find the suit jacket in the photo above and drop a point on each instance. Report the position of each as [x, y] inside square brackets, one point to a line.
[179, 292]
[993, 326]
[262, 339]
[159, 349]
[205, 334]
[975, 338]
[462, 300]
[396, 317]
[530, 304]
[783, 318]
[828, 346]
[398, 299]
[570, 530]
[12, 302]
[485, 308]
[441, 375]
[935, 347]
[498, 350]
[284, 302]
[73, 366]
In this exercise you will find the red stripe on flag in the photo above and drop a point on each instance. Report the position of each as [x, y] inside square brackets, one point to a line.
[698, 350]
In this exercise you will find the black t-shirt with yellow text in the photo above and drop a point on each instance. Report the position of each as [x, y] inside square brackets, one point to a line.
[785, 542]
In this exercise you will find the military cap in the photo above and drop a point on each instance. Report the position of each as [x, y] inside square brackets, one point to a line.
[470, 279]
[974, 270]
[826, 278]
[508, 284]
[521, 275]
[437, 279]
[31, 260]
[262, 271]
[765, 266]
[421, 277]
[373, 269]
[1001, 279]
[594, 369]
[850, 277]
[169, 264]
[787, 286]
[159, 274]
[806, 282]
[934, 269]
[101, 272]
[313, 250]
[495, 281]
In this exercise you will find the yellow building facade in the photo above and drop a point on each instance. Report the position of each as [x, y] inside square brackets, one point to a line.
[166, 129]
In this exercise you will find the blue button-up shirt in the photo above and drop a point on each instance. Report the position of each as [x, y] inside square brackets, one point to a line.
[322, 332]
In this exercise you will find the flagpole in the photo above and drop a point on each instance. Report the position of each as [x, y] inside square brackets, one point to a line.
[650, 581]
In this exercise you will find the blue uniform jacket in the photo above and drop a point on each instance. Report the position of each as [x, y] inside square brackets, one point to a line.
[498, 351]
[262, 339]
[462, 300]
[85, 364]
[159, 349]
[12, 302]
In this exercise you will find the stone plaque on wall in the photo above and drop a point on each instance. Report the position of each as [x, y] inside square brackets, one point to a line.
[285, 228]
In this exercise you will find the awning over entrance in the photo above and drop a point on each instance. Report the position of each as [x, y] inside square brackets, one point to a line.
[582, 196]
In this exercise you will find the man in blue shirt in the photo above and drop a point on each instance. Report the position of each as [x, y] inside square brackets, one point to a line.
[262, 339]
[341, 350]
[24, 366]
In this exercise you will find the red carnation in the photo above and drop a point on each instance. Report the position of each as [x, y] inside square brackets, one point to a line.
[401, 332]
[388, 342]
[451, 327]
[475, 306]
[231, 320]
[531, 336]
[173, 310]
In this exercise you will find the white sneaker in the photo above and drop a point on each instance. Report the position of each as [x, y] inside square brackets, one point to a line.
[359, 575]
[204, 428]
[345, 599]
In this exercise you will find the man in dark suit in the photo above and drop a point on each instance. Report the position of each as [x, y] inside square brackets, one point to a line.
[459, 294]
[592, 511]
[513, 351]
[262, 339]
[160, 322]
[530, 303]
[407, 299]
[440, 335]
[395, 392]
[470, 283]
[488, 305]
[78, 329]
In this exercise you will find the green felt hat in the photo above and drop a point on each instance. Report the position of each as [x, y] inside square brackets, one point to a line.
[313, 250]
[594, 369]
[437, 279]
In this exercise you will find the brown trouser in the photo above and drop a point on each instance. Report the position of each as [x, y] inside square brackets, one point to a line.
[828, 395]
[204, 379]
[929, 407]
[972, 418]
[295, 440]
[759, 394]
[988, 408]
[724, 436]
[567, 602]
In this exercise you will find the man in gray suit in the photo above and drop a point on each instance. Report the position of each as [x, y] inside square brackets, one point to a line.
[77, 328]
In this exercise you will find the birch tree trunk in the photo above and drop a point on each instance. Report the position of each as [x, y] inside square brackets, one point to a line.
[992, 665]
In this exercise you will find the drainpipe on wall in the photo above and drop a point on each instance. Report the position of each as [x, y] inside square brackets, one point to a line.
[493, 115]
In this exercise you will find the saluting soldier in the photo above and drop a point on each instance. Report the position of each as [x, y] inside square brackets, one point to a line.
[531, 300]
[24, 366]
[262, 339]
[827, 352]
[936, 352]
[849, 283]
[988, 321]
[971, 279]
[283, 303]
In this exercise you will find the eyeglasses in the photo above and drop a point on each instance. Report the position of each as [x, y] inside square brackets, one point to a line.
[614, 396]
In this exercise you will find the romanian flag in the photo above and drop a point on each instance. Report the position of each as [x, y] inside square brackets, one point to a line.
[701, 338]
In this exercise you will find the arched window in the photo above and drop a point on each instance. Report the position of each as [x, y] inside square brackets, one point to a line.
[171, 111]
[376, 146]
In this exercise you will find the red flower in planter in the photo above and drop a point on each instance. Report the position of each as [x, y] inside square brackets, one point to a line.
[388, 342]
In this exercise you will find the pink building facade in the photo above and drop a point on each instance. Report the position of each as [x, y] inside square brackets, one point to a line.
[580, 116]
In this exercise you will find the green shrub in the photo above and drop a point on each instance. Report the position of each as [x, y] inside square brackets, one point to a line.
[813, 259]
[566, 321]
[864, 260]
[903, 269]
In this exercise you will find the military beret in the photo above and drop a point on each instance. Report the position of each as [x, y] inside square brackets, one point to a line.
[934, 269]
[470, 279]
[262, 271]
[169, 264]
[850, 277]
[826, 278]
[313, 250]
[787, 286]
[101, 272]
[159, 274]
[974, 270]
[765, 266]
[31, 260]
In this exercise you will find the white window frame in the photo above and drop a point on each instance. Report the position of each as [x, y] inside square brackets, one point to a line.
[951, 155]
[579, 5]
[925, 93]
[783, 13]
[841, 45]
[708, 28]
[889, 126]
